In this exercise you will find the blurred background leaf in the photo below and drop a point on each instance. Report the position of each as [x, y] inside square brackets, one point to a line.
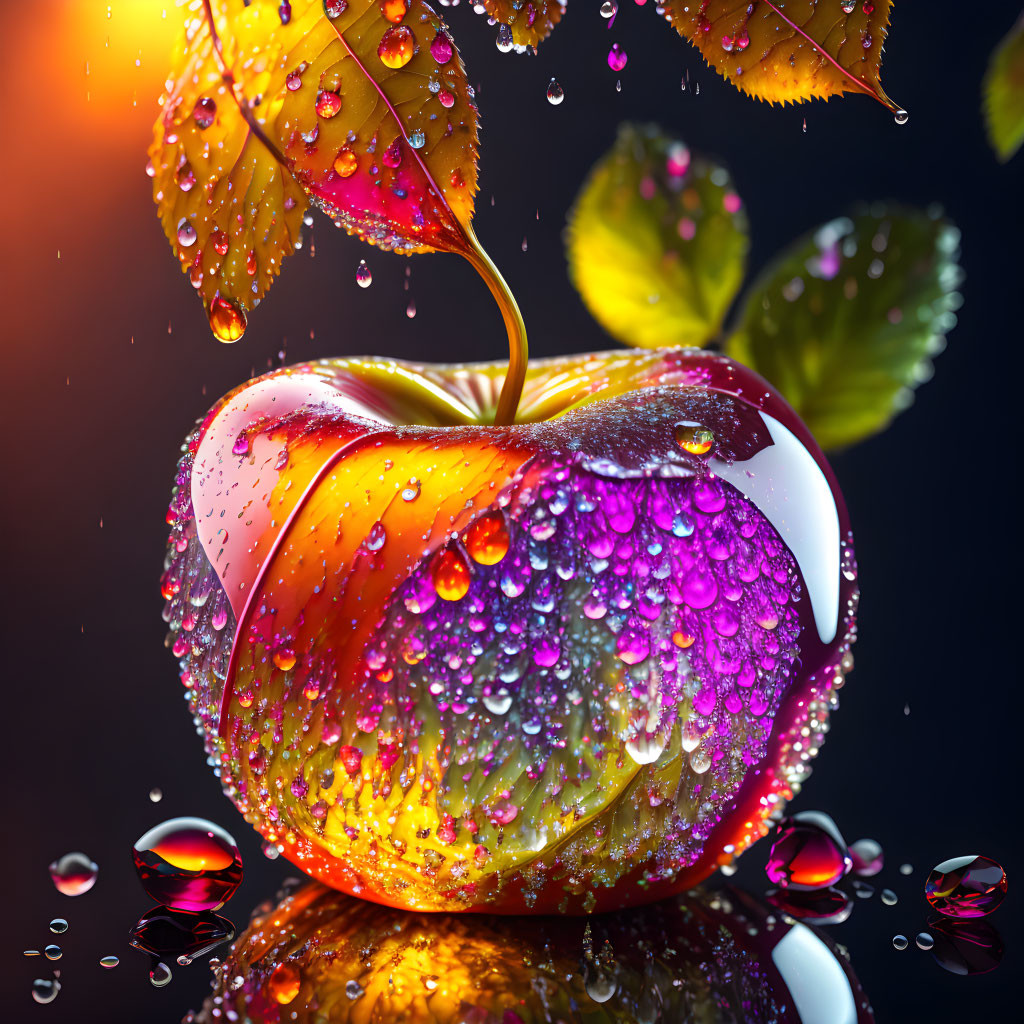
[1004, 93]
[657, 241]
[845, 321]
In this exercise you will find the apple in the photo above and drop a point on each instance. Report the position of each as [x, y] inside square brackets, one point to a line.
[724, 957]
[571, 664]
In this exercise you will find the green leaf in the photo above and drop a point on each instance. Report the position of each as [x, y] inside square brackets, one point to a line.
[657, 241]
[845, 321]
[1004, 93]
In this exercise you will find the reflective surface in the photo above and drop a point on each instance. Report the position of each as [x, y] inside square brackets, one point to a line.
[723, 957]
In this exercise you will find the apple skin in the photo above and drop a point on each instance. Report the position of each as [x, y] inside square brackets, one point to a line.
[723, 957]
[569, 665]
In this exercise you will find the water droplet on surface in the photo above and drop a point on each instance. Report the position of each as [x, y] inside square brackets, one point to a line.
[58, 926]
[807, 853]
[417, 139]
[441, 48]
[693, 438]
[412, 491]
[189, 864]
[451, 575]
[74, 874]
[44, 990]
[345, 163]
[394, 10]
[900, 942]
[555, 93]
[186, 233]
[376, 537]
[353, 990]
[284, 983]
[970, 886]
[363, 276]
[270, 850]
[327, 103]
[109, 962]
[867, 857]
[159, 975]
[487, 539]
[335, 8]
[204, 112]
[396, 47]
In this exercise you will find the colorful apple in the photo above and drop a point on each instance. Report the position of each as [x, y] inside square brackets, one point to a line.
[571, 664]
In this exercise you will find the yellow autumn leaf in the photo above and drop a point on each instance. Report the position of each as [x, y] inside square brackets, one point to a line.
[525, 24]
[361, 107]
[788, 52]
[1004, 93]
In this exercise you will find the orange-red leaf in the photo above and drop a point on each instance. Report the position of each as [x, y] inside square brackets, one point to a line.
[529, 22]
[362, 106]
[790, 51]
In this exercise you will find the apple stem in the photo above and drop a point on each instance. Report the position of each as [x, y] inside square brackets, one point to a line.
[518, 352]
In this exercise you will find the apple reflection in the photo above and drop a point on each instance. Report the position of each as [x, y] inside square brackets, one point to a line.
[321, 956]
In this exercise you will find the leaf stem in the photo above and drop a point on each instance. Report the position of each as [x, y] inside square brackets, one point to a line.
[518, 351]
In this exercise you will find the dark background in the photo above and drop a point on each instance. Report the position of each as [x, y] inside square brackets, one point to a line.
[108, 360]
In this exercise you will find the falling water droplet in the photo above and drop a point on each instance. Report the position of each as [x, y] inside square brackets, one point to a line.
[900, 942]
[555, 93]
[159, 975]
[74, 874]
[53, 952]
[363, 276]
[156, 794]
[109, 961]
[410, 310]
[58, 926]
[44, 990]
[609, 9]
[186, 233]
[617, 57]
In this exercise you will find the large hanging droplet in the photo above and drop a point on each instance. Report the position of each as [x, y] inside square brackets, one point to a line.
[227, 321]
[504, 39]
[74, 874]
[808, 853]
[694, 438]
[188, 864]
[969, 886]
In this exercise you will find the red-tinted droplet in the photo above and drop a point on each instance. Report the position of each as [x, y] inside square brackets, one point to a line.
[451, 575]
[327, 103]
[487, 539]
[441, 48]
[227, 321]
[188, 864]
[969, 886]
[808, 853]
[204, 112]
[74, 873]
